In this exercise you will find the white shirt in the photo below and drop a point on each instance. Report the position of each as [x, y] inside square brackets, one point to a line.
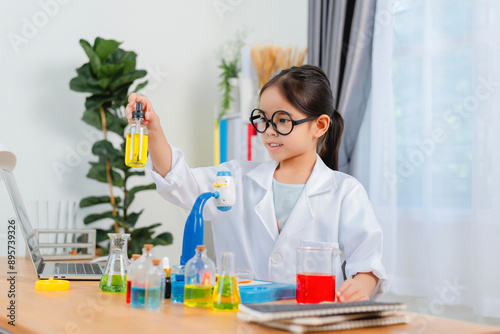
[333, 210]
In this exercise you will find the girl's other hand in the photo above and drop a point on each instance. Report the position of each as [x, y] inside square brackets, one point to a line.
[151, 119]
[351, 291]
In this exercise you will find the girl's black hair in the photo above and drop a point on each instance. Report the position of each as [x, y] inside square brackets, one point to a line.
[307, 88]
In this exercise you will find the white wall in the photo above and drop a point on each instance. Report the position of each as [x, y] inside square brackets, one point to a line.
[175, 39]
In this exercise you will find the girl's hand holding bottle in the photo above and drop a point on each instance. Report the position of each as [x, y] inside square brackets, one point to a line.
[151, 119]
[160, 151]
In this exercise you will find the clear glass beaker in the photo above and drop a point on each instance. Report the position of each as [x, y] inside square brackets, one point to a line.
[316, 269]
[114, 278]
[177, 278]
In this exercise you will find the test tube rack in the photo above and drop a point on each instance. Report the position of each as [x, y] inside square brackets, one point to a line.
[87, 245]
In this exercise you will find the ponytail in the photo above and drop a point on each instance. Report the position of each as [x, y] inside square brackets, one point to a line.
[330, 142]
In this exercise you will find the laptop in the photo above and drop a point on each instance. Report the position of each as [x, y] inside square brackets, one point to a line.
[45, 269]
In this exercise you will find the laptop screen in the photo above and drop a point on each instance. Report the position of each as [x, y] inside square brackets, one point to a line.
[22, 216]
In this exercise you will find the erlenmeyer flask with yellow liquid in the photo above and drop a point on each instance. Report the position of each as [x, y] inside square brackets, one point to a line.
[136, 134]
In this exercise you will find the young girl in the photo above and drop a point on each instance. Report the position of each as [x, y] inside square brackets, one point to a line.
[298, 199]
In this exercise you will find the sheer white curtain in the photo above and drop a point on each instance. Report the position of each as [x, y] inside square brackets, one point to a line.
[428, 150]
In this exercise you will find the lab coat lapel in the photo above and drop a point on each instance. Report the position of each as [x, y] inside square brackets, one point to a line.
[302, 215]
[264, 204]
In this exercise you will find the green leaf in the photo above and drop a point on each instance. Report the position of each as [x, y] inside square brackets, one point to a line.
[92, 117]
[104, 83]
[104, 47]
[129, 60]
[84, 71]
[102, 235]
[98, 216]
[140, 86]
[143, 232]
[95, 62]
[165, 238]
[128, 78]
[98, 173]
[114, 123]
[134, 173]
[109, 70]
[121, 95]
[121, 166]
[132, 218]
[95, 200]
[96, 101]
[80, 84]
[105, 148]
[116, 57]
[131, 193]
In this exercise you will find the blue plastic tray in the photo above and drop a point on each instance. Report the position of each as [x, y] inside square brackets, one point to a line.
[265, 292]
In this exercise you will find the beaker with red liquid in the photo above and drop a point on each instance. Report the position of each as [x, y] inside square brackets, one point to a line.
[316, 269]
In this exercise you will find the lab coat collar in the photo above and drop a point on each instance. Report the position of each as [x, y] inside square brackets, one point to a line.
[321, 180]
[316, 184]
[263, 174]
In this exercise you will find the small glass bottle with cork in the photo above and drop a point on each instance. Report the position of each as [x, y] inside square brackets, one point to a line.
[155, 285]
[199, 275]
[141, 267]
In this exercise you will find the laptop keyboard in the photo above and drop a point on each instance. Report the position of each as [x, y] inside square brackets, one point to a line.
[78, 268]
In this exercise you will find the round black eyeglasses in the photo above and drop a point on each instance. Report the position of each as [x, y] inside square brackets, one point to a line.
[281, 121]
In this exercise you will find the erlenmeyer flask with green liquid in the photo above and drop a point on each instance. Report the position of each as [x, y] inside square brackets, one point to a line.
[226, 296]
[114, 278]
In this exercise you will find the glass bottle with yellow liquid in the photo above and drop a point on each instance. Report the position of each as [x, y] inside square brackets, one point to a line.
[226, 295]
[199, 276]
[136, 134]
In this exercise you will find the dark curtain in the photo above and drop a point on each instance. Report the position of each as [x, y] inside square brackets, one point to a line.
[340, 42]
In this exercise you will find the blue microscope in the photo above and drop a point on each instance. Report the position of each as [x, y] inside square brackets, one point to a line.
[224, 194]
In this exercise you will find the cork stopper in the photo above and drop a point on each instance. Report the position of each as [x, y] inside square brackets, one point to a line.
[156, 262]
[200, 248]
[148, 247]
[135, 256]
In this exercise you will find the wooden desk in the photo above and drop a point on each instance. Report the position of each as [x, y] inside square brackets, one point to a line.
[84, 309]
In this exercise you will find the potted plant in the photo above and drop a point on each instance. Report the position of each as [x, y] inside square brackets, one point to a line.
[230, 63]
[108, 77]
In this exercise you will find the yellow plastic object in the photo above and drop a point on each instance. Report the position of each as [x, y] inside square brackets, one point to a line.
[52, 285]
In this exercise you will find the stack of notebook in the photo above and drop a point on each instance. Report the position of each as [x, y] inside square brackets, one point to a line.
[307, 318]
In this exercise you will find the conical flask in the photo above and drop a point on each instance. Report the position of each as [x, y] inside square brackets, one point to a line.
[226, 295]
[114, 278]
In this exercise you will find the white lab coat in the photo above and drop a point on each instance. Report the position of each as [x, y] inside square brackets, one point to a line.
[333, 210]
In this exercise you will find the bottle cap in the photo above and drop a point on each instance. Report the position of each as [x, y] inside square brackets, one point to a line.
[200, 248]
[138, 112]
[166, 263]
[135, 256]
[52, 285]
[156, 262]
[148, 247]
